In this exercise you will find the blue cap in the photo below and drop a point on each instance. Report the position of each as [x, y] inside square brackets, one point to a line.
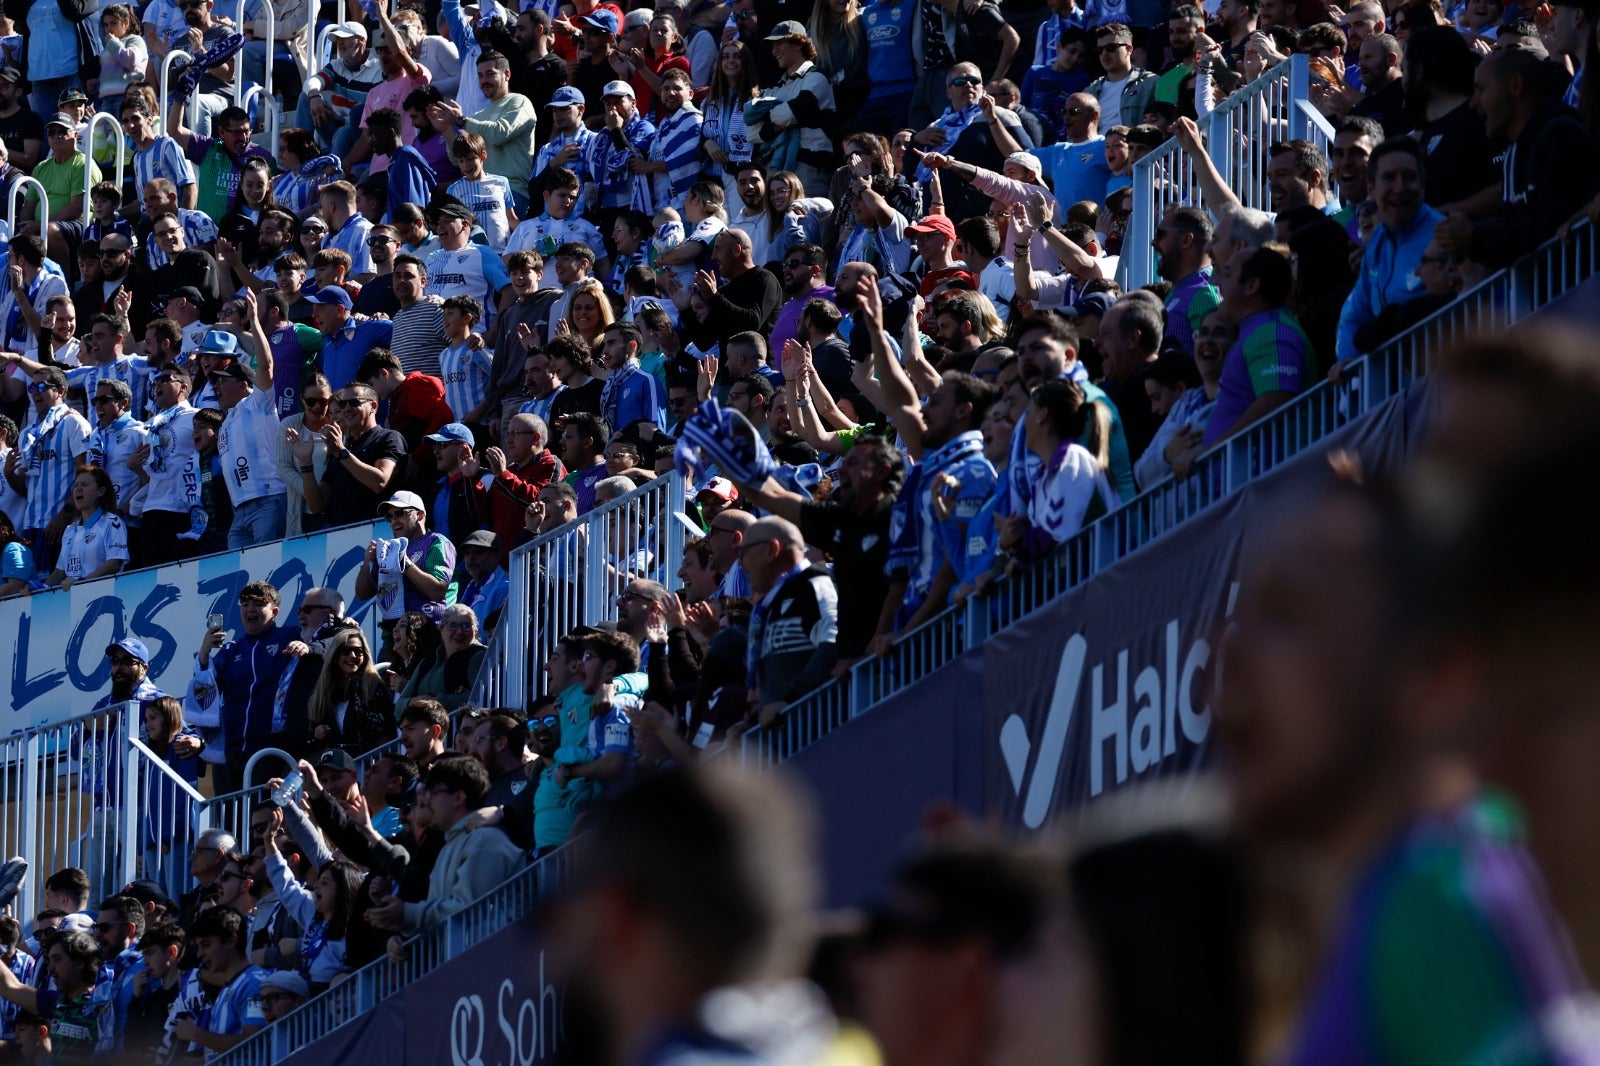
[452, 433]
[600, 19]
[133, 646]
[219, 342]
[566, 96]
[329, 295]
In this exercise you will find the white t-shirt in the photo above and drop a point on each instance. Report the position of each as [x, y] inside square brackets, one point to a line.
[1111, 104]
[545, 234]
[86, 547]
[174, 481]
[248, 444]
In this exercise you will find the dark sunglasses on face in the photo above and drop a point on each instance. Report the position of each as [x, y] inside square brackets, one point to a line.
[964, 80]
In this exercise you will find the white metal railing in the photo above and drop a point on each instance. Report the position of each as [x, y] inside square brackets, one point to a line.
[19, 187]
[572, 576]
[1500, 301]
[1238, 134]
[166, 87]
[169, 807]
[95, 121]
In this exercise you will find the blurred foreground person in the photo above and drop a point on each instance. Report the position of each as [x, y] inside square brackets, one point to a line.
[685, 923]
[1425, 917]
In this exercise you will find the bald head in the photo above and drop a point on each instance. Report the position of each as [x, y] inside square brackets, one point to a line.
[1081, 116]
[780, 531]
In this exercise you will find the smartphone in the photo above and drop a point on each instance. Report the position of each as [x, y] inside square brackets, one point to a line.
[214, 621]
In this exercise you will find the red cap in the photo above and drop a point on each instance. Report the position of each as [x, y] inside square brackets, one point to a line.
[935, 224]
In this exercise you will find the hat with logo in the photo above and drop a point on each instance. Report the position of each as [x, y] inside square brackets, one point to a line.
[71, 96]
[617, 88]
[187, 292]
[451, 433]
[329, 295]
[346, 30]
[133, 646]
[62, 119]
[408, 501]
[334, 759]
[599, 19]
[721, 488]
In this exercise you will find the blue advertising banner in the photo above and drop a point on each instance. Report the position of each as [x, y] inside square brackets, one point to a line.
[57, 666]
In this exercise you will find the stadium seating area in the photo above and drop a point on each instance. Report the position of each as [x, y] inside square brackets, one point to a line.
[683, 388]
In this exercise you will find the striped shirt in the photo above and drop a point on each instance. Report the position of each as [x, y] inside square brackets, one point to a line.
[109, 448]
[18, 337]
[198, 229]
[352, 240]
[237, 1007]
[248, 445]
[49, 456]
[466, 378]
[296, 192]
[488, 198]
[1187, 306]
[419, 337]
[608, 165]
[541, 407]
[677, 144]
[132, 370]
[552, 148]
[163, 159]
[1272, 354]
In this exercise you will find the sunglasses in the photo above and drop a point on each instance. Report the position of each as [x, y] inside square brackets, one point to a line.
[315, 401]
[345, 405]
[40, 386]
[98, 400]
[1104, 48]
[167, 379]
[549, 721]
[957, 83]
[374, 242]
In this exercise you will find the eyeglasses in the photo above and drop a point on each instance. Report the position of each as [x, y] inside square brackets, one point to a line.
[313, 229]
[549, 721]
[304, 607]
[964, 81]
[104, 927]
[345, 405]
[373, 242]
[230, 875]
[458, 625]
[632, 595]
[741, 549]
[121, 660]
[167, 379]
[98, 400]
[1075, 112]
[40, 386]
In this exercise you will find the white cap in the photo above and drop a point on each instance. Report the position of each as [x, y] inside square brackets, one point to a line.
[346, 30]
[617, 88]
[408, 500]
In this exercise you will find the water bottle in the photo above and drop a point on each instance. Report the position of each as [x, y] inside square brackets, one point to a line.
[290, 790]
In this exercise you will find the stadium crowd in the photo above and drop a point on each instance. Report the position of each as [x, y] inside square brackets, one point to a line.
[850, 267]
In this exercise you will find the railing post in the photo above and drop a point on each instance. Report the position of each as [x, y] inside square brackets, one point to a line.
[28, 797]
[129, 802]
[1299, 89]
[1137, 252]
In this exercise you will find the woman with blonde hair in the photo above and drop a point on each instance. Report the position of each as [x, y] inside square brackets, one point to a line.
[351, 708]
[840, 35]
[588, 313]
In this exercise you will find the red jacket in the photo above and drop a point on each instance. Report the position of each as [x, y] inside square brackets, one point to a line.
[417, 408]
[514, 488]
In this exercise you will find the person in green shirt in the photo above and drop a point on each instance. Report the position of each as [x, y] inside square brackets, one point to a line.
[1184, 24]
[62, 172]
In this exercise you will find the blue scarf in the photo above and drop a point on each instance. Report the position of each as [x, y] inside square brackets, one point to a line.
[758, 623]
[1023, 467]
[311, 946]
[906, 529]
[953, 123]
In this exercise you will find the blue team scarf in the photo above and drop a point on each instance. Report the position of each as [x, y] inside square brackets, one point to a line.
[953, 123]
[720, 437]
[906, 532]
[1022, 468]
[758, 625]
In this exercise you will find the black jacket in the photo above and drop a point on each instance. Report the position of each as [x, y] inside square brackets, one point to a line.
[1550, 171]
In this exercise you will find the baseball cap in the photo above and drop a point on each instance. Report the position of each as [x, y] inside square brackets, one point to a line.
[617, 88]
[1026, 162]
[461, 211]
[346, 30]
[1096, 303]
[567, 96]
[935, 224]
[721, 488]
[219, 342]
[147, 891]
[133, 646]
[64, 120]
[334, 759]
[188, 292]
[483, 538]
[409, 501]
[451, 433]
[71, 96]
[77, 922]
[600, 19]
[329, 295]
[787, 29]
[286, 981]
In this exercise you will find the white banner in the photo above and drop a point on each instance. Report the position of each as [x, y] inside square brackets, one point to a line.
[58, 639]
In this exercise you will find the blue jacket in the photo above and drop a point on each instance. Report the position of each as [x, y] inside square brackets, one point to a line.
[1388, 276]
[244, 678]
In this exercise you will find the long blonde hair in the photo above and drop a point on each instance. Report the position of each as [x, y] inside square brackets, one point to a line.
[332, 689]
[593, 287]
[838, 37]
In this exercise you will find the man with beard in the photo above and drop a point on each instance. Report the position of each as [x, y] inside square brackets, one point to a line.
[753, 218]
[363, 459]
[116, 258]
[272, 236]
[1183, 25]
[1406, 224]
[1379, 63]
[377, 286]
[1180, 244]
[804, 276]
[1438, 70]
[583, 444]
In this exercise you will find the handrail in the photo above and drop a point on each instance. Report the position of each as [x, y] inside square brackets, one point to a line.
[166, 770]
[88, 171]
[166, 85]
[17, 188]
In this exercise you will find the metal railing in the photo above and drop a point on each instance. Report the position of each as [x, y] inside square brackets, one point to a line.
[361, 991]
[95, 121]
[1238, 134]
[166, 86]
[572, 575]
[1498, 302]
[170, 807]
[18, 188]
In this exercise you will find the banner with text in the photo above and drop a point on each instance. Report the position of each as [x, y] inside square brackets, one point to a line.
[58, 639]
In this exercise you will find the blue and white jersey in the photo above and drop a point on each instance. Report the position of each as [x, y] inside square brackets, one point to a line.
[612, 732]
[174, 474]
[109, 448]
[18, 337]
[168, 20]
[471, 271]
[608, 164]
[545, 234]
[132, 370]
[22, 966]
[677, 143]
[237, 1006]
[49, 453]
[352, 240]
[489, 198]
[541, 407]
[198, 229]
[248, 445]
[489, 595]
[163, 159]
[466, 377]
[87, 546]
[552, 148]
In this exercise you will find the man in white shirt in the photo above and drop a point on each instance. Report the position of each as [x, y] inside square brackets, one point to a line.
[248, 445]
